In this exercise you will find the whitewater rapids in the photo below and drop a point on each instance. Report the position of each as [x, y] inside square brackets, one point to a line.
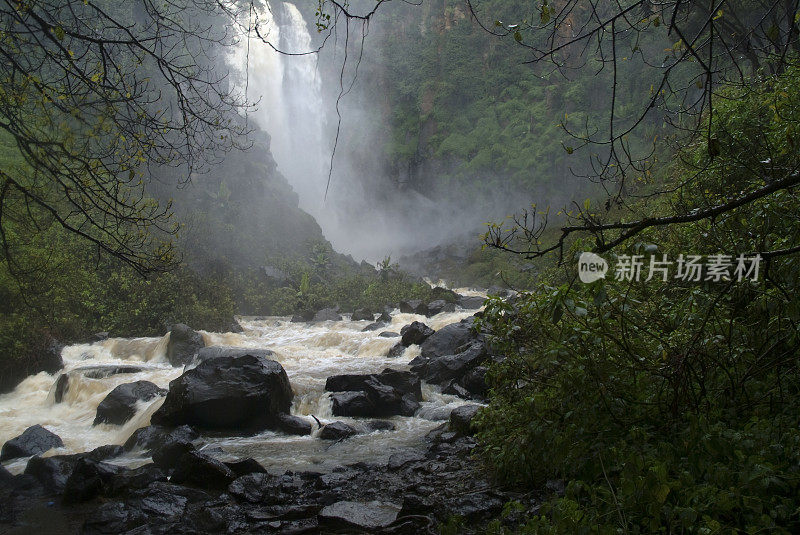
[309, 352]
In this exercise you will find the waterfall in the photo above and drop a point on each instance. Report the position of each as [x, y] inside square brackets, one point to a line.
[287, 90]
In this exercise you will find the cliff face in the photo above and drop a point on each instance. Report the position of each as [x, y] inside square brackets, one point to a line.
[244, 214]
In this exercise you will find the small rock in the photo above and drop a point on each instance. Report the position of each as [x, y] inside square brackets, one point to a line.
[389, 334]
[243, 467]
[360, 515]
[415, 333]
[438, 306]
[337, 431]
[373, 327]
[396, 351]
[119, 405]
[461, 418]
[33, 441]
[199, 470]
[294, 425]
[183, 345]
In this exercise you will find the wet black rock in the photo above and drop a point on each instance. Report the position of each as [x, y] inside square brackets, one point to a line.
[246, 466]
[438, 306]
[138, 478]
[455, 389]
[199, 470]
[294, 425]
[388, 393]
[414, 306]
[233, 393]
[362, 314]
[389, 334]
[352, 404]
[375, 326]
[154, 436]
[119, 405]
[102, 453]
[396, 351]
[386, 315]
[470, 302]
[213, 352]
[61, 387]
[51, 472]
[183, 345]
[449, 340]
[474, 382]
[402, 458]
[461, 418]
[453, 367]
[415, 333]
[33, 441]
[328, 314]
[166, 457]
[337, 431]
[359, 515]
[89, 479]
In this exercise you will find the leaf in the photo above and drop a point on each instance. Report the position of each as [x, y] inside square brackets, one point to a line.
[518, 36]
[558, 311]
[59, 33]
[714, 147]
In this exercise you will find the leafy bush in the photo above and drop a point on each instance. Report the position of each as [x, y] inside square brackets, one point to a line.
[668, 407]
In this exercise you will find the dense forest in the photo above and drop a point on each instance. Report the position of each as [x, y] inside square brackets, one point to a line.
[581, 317]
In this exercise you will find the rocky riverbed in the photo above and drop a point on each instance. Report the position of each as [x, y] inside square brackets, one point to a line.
[359, 423]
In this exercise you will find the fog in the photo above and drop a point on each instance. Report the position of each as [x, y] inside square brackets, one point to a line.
[367, 209]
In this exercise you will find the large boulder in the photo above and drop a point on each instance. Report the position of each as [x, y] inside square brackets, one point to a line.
[337, 431]
[449, 340]
[405, 382]
[414, 306]
[119, 405]
[438, 306]
[328, 314]
[234, 393]
[388, 393]
[33, 441]
[183, 345]
[415, 333]
[452, 367]
[471, 302]
[362, 314]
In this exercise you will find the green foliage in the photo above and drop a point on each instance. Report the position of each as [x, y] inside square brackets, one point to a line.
[668, 407]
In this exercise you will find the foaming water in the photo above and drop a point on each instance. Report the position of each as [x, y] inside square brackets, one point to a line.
[310, 353]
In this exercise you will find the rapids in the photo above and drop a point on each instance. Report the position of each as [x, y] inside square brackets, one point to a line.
[309, 352]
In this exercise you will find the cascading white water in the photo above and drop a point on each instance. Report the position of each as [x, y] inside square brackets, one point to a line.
[310, 353]
[287, 89]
